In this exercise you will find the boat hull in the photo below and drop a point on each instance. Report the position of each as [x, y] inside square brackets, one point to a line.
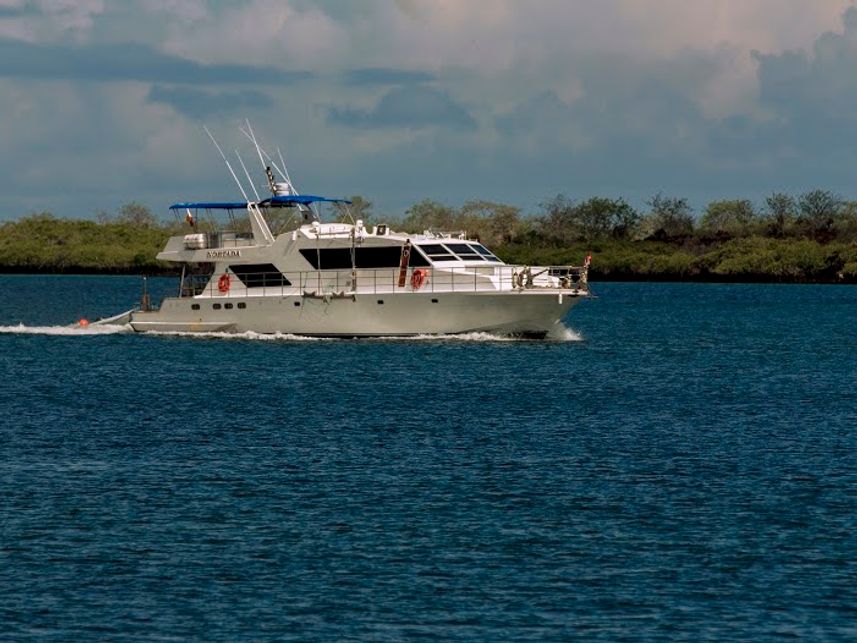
[525, 313]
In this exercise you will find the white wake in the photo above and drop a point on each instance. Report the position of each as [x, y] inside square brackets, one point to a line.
[558, 334]
[105, 329]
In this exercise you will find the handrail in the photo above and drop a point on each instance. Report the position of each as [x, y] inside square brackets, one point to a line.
[347, 282]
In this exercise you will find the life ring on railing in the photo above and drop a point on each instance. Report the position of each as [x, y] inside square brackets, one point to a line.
[224, 283]
[418, 278]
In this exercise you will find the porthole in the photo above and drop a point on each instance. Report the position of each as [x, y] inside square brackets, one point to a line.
[380, 302]
[194, 306]
[297, 303]
[434, 301]
[241, 304]
[216, 306]
[227, 306]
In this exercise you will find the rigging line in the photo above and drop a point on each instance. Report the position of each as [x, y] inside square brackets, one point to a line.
[225, 160]
[249, 180]
[283, 173]
[255, 142]
[285, 169]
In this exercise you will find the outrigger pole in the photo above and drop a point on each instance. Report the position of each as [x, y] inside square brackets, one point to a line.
[247, 174]
[261, 231]
[225, 160]
[284, 172]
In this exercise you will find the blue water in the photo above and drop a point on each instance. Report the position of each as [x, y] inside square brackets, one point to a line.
[685, 470]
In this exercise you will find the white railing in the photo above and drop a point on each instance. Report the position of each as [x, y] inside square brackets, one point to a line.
[324, 283]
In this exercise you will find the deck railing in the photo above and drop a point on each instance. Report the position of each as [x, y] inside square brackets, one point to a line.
[332, 283]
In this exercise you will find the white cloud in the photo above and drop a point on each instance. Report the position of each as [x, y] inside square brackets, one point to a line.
[263, 32]
[49, 20]
[564, 95]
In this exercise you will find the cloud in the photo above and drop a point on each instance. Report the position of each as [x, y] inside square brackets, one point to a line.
[127, 62]
[409, 108]
[259, 31]
[386, 76]
[442, 98]
[812, 98]
[199, 104]
[34, 20]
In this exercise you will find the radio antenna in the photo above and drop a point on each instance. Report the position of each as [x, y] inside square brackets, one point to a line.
[247, 174]
[267, 156]
[225, 160]
[255, 142]
[286, 171]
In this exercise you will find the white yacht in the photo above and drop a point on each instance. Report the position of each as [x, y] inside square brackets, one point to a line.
[345, 279]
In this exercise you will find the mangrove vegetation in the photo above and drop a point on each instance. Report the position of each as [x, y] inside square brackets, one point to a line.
[810, 238]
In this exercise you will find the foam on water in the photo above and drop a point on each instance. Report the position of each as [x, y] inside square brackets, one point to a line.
[75, 330]
[247, 335]
[560, 333]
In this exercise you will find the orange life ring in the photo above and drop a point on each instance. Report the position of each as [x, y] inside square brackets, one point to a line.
[224, 283]
[418, 278]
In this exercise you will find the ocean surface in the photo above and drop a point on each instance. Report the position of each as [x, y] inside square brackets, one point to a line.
[681, 465]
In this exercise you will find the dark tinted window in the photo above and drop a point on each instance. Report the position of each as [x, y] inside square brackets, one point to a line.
[241, 304]
[194, 306]
[260, 275]
[227, 306]
[459, 248]
[215, 306]
[437, 252]
[366, 257]
[485, 252]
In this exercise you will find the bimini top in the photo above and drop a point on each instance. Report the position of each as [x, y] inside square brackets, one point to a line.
[273, 202]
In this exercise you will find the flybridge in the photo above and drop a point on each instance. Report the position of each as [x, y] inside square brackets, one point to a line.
[272, 202]
[282, 195]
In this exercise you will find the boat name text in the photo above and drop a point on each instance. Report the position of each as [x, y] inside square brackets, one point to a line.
[220, 254]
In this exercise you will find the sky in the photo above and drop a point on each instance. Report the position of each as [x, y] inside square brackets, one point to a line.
[104, 102]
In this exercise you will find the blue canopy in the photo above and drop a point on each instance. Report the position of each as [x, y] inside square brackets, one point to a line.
[216, 205]
[274, 201]
[303, 199]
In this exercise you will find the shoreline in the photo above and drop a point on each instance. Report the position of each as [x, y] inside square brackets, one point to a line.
[595, 277]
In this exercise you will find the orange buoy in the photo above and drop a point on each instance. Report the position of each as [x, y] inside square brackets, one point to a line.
[224, 283]
[418, 278]
[83, 322]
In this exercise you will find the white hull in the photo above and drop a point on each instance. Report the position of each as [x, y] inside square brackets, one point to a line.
[508, 313]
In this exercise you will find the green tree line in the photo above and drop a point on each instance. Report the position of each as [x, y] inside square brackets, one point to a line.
[811, 237]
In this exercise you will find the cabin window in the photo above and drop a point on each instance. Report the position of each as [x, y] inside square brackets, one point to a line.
[434, 301]
[485, 252]
[297, 303]
[364, 258]
[465, 251]
[216, 306]
[194, 306]
[227, 306]
[260, 275]
[437, 252]
[380, 302]
[241, 304]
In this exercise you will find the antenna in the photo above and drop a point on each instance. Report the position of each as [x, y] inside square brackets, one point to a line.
[225, 160]
[249, 180]
[253, 138]
[267, 156]
[286, 170]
